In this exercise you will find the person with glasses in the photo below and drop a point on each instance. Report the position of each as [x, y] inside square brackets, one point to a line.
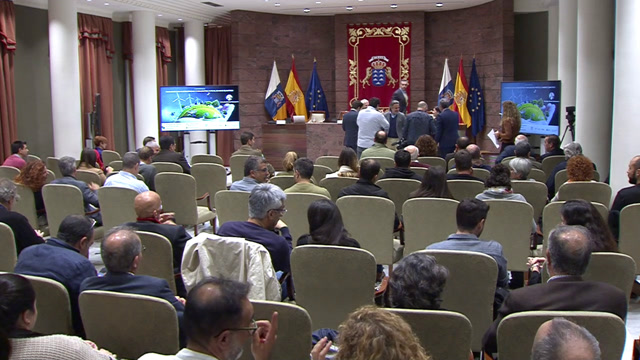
[255, 172]
[264, 226]
[63, 258]
[218, 321]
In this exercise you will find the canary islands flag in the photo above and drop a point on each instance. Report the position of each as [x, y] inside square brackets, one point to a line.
[274, 99]
[446, 85]
[295, 97]
[315, 99]
[475, 103]
[460, 97]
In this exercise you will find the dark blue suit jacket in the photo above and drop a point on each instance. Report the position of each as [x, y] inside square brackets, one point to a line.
[446, 131]
[350, 127]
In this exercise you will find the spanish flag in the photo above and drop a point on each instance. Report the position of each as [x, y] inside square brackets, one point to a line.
[460, 97]
[295, 96]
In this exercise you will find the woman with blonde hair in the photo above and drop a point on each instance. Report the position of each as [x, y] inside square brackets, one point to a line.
[371, 333]
[510, 124]
[287, 163]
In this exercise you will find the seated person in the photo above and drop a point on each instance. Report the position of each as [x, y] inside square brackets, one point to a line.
[581, 212]
[379, 148]
[402, 160]
[433, 185]
[427, 146]
[523, 150]
[326, 226]
[520, 168]
[417, 282]
[348, 164]
[303, 171]
[255, 172]
[168, 154]
[464, 167]
[64, 259]
[552, 147]
[266, 207]
[67, 166]
[509, 149]
[34, 176]
[88, 162]
[19, 316]
[147, 170]
[127, 177]
[579, 168]
[414, 151]
[471, 215]
[287, 164]
[19, 154]
[561, 339]
[247, 139]
[476, 157]
[461, 144]
[23, 233]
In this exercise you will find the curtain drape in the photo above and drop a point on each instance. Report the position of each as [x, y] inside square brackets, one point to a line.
[163, 56]
[8, 121]
[217, 64]
[96, 74]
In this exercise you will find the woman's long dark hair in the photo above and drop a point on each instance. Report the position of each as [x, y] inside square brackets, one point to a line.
[581, 212]
[88, 157]
[16, 297]
[325, 223]
[434, 185]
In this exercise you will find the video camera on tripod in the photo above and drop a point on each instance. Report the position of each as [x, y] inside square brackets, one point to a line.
[571, 120]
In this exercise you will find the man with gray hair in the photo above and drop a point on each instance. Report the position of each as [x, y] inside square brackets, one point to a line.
[520, 168]
[415, 152]
[127, 177]
[418, 123]
[23, 233]
[255, 172]
[67, 166]
[570, 150]
[567, 258]
[396, 120]
[266, 208]
[561, 339]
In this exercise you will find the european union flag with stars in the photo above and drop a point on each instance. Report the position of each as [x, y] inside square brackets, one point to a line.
[315, 99]
[475, 102]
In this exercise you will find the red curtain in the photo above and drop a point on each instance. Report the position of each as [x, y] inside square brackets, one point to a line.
[163, 56]
[96, 75]
[8, 121]
[378, 59]
[217, 51]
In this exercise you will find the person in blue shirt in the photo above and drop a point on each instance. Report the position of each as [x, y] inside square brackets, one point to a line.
[127, 178]
[255, 172]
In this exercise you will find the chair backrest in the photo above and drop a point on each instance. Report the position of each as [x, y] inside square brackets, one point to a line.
[50, 176]
[9, 253]
[472, 275]
[321, 171]
[206, 159]
[629, 230]
[88, 177]
[31, 158]
[283, 182]
[52, 164]
[178, 194]
[296, 216]
[116, 165]
[551, 218]
[506, 160]
[451, 163]
[130, 316]
[465, 189]
[348, 275]
[550, 162]
[116, 205]
[538, 175]
[236, 164]
[510, 223]
[26, 205]
[232, 206]
[517, 331]
[294, 330]
[451, 341]
[210, 178]
[61, 200]
[369, 220]
[335, 184]
[427, 221]
[398, 189]
[329, 161]
[586, 190]
[383, 161]
[54, 307]
[420, 171]
[163, 167]
[433, 161]
[108, 156]
[535, 192]
[157, 259]
[8, 172]
[612, 268]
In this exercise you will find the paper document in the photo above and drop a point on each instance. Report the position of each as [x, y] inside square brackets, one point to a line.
[492, 136]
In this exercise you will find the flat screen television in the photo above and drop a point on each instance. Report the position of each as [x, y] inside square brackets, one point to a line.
[205, 107]
[539, 105]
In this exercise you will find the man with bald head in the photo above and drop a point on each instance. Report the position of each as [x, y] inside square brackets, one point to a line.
[418, 123]
[561, 339]
[415, 152]
[148, 206]
[476, 157]
[567, 258]
[510, 149]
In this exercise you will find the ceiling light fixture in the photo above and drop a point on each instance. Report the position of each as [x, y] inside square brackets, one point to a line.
[306, 10]
[349, 8]
[181, 20]
[277, 4]
[318, 2]
[106, 4]
[439, 4]
[159, 14]
[394, 6]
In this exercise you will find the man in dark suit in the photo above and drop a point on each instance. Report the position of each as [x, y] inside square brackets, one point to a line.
[23, 233]
[418, 123]
[67, 166]
[551, 147]
[627, 196]
[401, 96]
[446, 128]
[461, 144]
[567, 259]
[168, 154]
[350, 125]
